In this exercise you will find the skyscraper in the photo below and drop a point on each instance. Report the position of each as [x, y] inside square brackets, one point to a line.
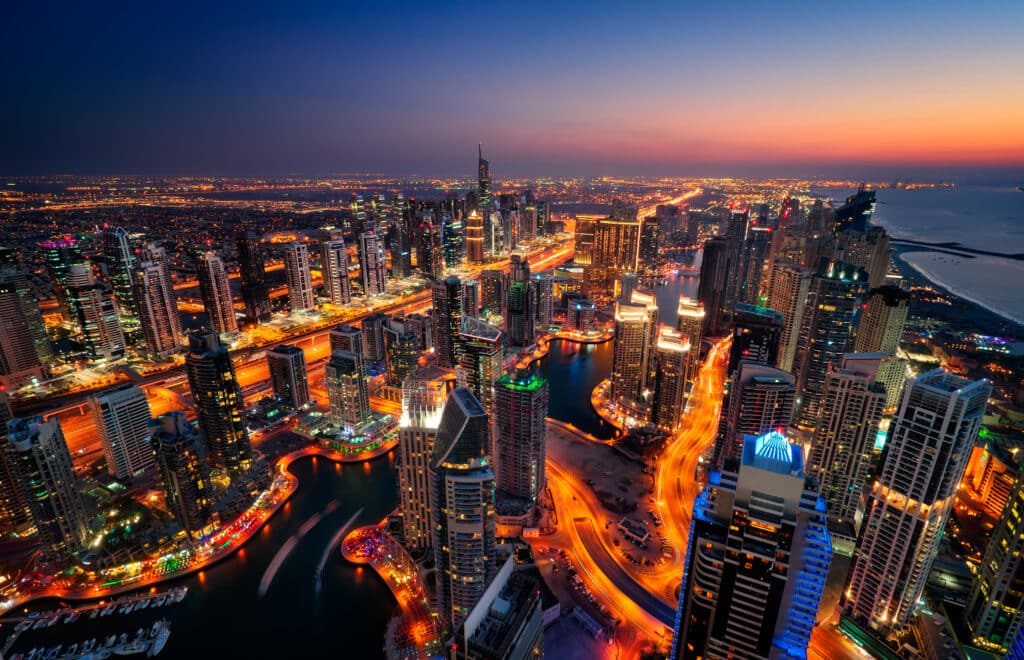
[474, 238]
[579, 314]
[881, 326]
[253, 276]
[121, 262]
[462, 507]
[583, 239]
[844, 437]
[423, 397]
[479, 356]
[216, 292]
[39, 461]
[219, 404]
[373, 337]
[470, 297]
[691, 315]
[96, 314]
[632, 342]
[909, 503]
[300, 283]
[24, 344]
[520, 412]
[856, 213]
[484, 186]
[184, 471]
[346, 338]
[755, 335]
[492, 291]
[519, 317]
[714, 271]
[447, 319]
[866, 249]
[372, 264]
[122, 417]
[334, 266]
[158, 309]
[347, 391]
[287, 366]
[13, 505]
[671, 352]
[452, 240]
[760, 398]
[788, 284]
[60, 254]
[616, 245]
[758, 555]
[648, 256]
[402, 351]
[542, 286]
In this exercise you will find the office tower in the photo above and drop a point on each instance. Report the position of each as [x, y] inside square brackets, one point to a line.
[856, 213]
[157, 309]
[216, 292]
[357, 214]
[492, 292]
[39, 460]
[122, 417]
[347, 391]
[507, 622]
[755, 335]
[24, 344]
[184, 471]
[96, 314]
[121, 262]
[881, 325]
[287, 366]
[757, 559]
[452, 245]
[253, 276]
[630, 281]
[543, 293]
[346, 338]
[429, 248]
[401, 351]
[929, 442]
[519, 320]
[14, 511]
[520, 412]
[59, 255]
[399, 239]
[419, 324]
[219, 405]
[474, 238]
[616, 242]
[714, 271]
[373, 337]
[583, 239]
[579, 315]
[462, 507]
[300, 283]
[648, 257]
[470, 297]
[756, 249]
[690, 322]
[479, 355]
[484, 186]
[372, 264]
[833, 307]
[334, 266]
[518, 268]
[844, 436]
[866, 249]
[759, 398]
[423, 397]
[632, 344]
[447, 319]
[527, 223]
[787, 294]
[671, 351]
[736, 253]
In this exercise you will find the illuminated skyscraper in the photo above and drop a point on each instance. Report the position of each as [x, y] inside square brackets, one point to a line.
[929, 442]
[219, 404]
[579, 314]
[216, 292]
[288, 376]
[493, 284]
[447, 319]
[158, 309]
[759, 398]
[520, 434]
[856, 213]
[632, 343]
[519, 319]
[121, 262]
[616, 244]
[423, 397]
[542, 285]
[253, 276]
[39, 461]
[184, 471]
[479, 353]
[96, 314]
[13, 505]
[401, 351]
[372, 264]
[671, 351]
[300, 283]
[755, 335]
[60, 254]
[881, 326]
[474, 238]
[584, 239]
[484, 187]
[787, 294]
[122, 418]
[346, 338]
[648, 256]
[24, 344]
[373, 337]
[866, 249]
[470, 297]
[347, 391]
[757, 559]
[334, 266]
[452, 240]
[690, 322]
[714, 272]
[462, 507]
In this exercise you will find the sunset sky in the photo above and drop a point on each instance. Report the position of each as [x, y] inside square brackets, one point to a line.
[549, 88]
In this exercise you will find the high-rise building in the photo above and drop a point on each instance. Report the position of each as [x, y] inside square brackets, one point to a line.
[219, 404]
[373, 337]
[881, 326]
[714, 272]
[447, 319]
[479, 355]
[507, 622]
[519, 316]
[452, 245]
[671, 351]
[253, 276]
[39, 460]
[372, 264]
[399, 242]
[690, 322]
[759, 398]
[616, 244]
[583, 239]
[347, 391]
[474, 238]
[184, 471]
[866, 249]
[120, 261]
[755, 335]
[929, 442]
[650, 302]
[13, 505]
[648, 256]
[462, 506]
[844, 437]
[632, 344]
[334, 266]
[484, 187]
[423, 397]
[216, 292]
[96, 314]
[157, 309]
[122, 417]
[492, 291]
[520, 412]
[542, 287]
[287, 366]
[757, 559]
[830, 316]
[300, 283]
[629, 284]
[788, 284]
[856, 213]
[24, 344]
[579, 314]
[346, 338]
[470, 297]
[402, 351]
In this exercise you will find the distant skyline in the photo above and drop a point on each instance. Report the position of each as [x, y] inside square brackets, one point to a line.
[740, 89]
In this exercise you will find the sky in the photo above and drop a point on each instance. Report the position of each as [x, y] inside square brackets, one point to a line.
[552, 88]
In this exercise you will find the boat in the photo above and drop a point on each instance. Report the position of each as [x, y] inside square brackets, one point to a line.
[162, 631]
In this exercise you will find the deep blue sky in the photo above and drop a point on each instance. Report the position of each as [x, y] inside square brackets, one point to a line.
[549, 88]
